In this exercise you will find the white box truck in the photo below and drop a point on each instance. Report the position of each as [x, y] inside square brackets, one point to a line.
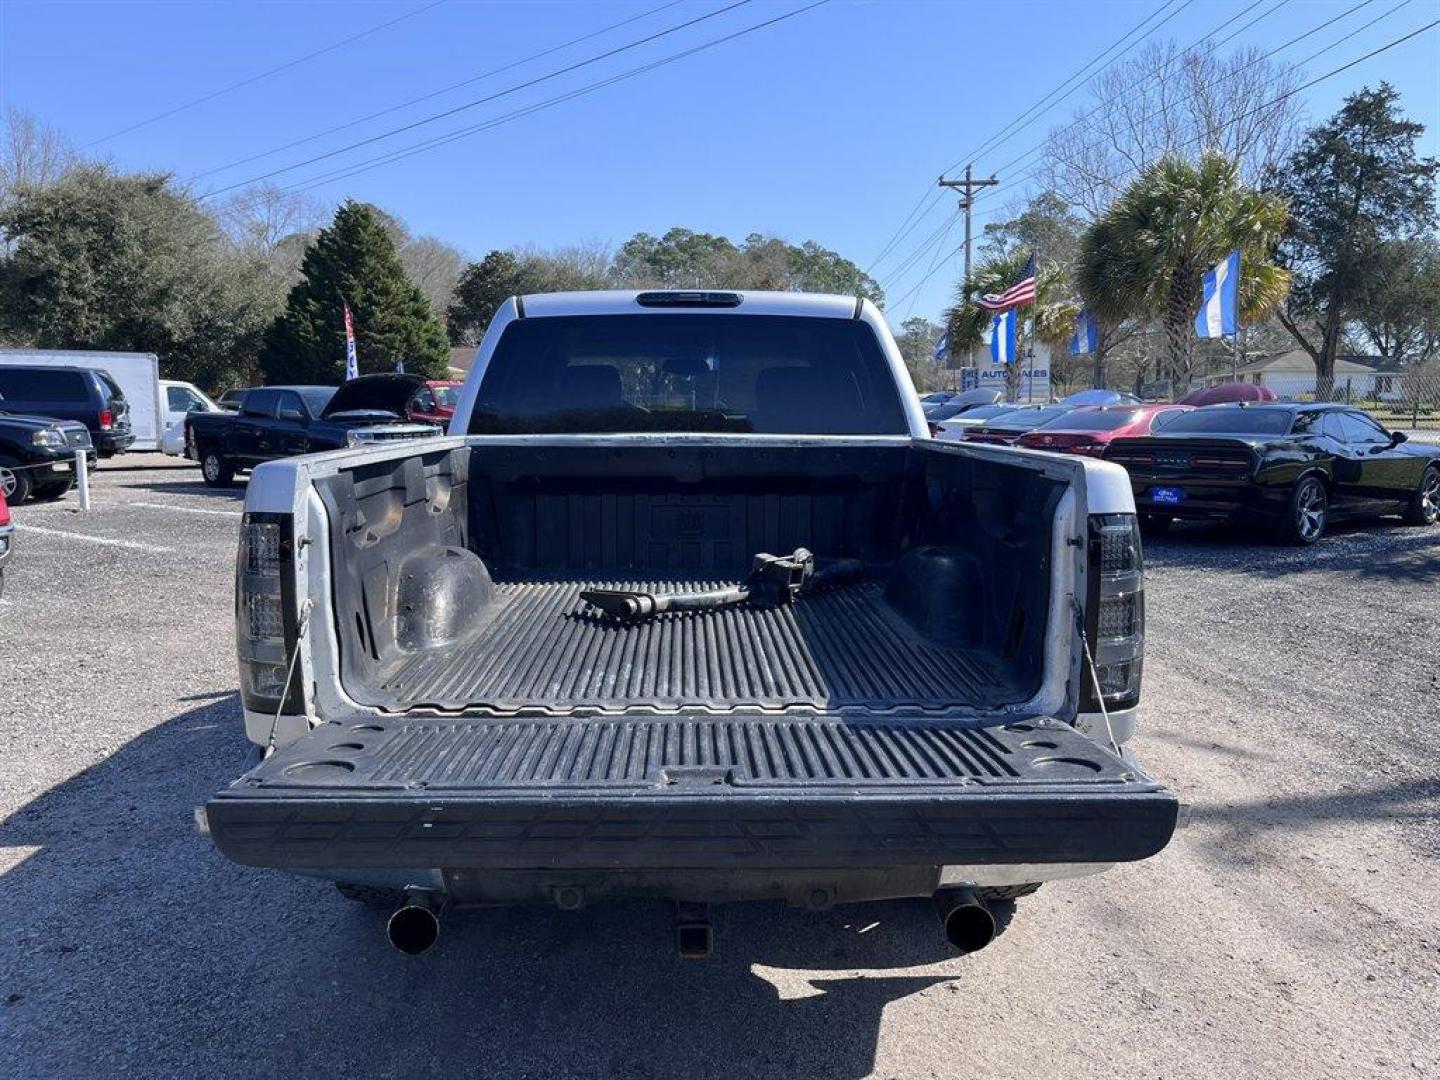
[137, 374]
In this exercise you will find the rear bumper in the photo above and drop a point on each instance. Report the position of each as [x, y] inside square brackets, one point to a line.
[407, 831]
[457, 796]
[1210, 499]
[110, 443]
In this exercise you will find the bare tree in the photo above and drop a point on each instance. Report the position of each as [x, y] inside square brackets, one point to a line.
[31, 152]
[265, 218]
[435, 266]
[1172, 101]
[430, 262]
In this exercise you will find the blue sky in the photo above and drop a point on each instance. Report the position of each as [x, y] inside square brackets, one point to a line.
[827, 126]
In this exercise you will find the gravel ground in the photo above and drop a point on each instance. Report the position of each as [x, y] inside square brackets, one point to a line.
[1291, 696]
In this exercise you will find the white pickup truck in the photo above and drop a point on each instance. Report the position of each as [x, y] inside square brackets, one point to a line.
[689, 605]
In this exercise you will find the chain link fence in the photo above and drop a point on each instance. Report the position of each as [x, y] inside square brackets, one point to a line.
[1407, 401]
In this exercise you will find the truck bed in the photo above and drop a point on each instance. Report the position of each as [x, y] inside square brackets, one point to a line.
[458, 574]
[751, 792]
[842, 649]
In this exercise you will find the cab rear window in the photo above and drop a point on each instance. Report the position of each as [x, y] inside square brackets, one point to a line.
[764, 374]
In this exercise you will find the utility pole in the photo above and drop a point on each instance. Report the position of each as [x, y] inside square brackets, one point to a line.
[967, 202]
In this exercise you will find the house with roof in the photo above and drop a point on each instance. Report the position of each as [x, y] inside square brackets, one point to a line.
[458, 365]
[1292, 376]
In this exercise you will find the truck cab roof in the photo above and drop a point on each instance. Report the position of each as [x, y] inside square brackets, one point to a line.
[690, 301]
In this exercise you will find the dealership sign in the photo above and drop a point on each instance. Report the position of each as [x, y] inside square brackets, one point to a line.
[1034, 379]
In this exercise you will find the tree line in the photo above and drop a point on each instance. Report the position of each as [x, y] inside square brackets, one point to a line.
[1180, 158]
[254, 289]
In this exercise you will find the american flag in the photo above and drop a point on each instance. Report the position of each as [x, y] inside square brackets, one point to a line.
[1016, 295]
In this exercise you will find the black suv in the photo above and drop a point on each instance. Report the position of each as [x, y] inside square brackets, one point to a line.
[87, 396]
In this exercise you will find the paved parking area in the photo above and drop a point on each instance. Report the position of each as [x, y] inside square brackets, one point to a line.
[1292, 696]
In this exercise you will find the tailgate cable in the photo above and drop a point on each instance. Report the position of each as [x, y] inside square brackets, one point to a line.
[305, 610]
[1094, 674]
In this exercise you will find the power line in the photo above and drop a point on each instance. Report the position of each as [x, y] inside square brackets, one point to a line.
[1015, 126]
[1030, 173]
[1298, 89]
[930, 270]
[1301, 88]
[903, 231]
[1229, 75]
[1349, 35]
[262, 75]
[918, 253]
[443, 90]
[487, 98]
[921, 208]
[355, 168]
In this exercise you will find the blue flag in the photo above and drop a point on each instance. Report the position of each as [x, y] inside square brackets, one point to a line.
[1220, 310]
[942, 347]
[1086, 339]
[1002, 337]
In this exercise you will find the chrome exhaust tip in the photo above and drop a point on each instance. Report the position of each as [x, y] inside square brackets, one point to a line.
[968, 922]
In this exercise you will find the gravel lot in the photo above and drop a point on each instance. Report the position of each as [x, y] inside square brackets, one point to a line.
[1291, 696]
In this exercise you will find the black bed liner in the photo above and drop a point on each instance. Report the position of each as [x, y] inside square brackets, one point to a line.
[833, 650]
[689, 792]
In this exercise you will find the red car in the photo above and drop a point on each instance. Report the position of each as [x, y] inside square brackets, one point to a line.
[7, 536]
[1226, 392]
[434, 402]
[1089, 431]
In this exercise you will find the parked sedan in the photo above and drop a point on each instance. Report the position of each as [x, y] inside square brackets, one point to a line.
[954, 426]
[1100, 397]
[1090, 430]
[1295, 468]
[1009, 426]
[1226, 392]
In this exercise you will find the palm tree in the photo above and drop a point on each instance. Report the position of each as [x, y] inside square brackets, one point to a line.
[1146, 255]
[1051, 319]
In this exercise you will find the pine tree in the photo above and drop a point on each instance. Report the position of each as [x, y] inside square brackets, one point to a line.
[354, 262]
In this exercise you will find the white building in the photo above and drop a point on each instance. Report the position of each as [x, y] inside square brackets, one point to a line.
[1292, 375]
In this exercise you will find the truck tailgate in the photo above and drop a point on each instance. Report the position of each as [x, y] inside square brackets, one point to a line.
[668, 792]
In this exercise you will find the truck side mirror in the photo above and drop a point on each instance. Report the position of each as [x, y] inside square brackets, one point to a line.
[1397, 437]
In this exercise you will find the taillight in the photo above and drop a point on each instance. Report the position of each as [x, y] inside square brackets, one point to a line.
[1115, 620]
[4, 510]
[266, 625]
[107, 420]
[1132, 457]
[1219, 461]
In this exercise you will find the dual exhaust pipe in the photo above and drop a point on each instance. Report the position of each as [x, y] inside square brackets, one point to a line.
[415, 926]
[968, 923]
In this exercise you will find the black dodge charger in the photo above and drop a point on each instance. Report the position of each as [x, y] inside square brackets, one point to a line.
[1295, 468]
